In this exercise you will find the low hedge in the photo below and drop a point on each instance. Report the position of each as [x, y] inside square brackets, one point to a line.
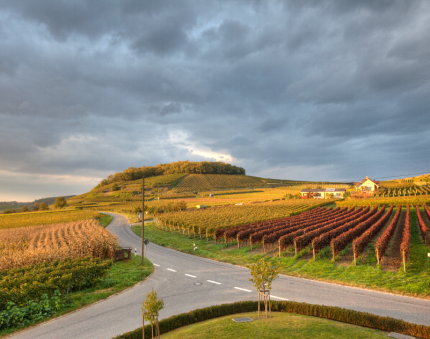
[321, 311]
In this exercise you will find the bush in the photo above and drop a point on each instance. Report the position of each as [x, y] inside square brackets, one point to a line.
[20, 315]
[327, 312]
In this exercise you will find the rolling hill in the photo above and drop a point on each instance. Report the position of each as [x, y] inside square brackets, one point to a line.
[127, 185]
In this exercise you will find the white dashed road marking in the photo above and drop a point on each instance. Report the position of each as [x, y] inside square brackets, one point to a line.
[171, 270]
[242, 289]
[214, 282]
[156, 264]
[190, 275]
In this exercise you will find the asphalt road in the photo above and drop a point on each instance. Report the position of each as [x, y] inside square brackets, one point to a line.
[187, 282]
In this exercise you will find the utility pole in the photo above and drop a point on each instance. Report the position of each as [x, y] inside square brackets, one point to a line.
[143, 219]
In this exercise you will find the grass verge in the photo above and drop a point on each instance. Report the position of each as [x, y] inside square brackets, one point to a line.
[415, 281]
[104, 219]
[120, 275]
[279, 325]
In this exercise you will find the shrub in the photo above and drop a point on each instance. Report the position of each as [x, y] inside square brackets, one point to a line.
[327, 312]
[20, 315]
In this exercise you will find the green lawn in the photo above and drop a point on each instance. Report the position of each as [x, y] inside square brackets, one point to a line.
[279, 325]
[120, 275]
[415, 282]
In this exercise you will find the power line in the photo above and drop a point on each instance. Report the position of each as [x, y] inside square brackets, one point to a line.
[398, 176]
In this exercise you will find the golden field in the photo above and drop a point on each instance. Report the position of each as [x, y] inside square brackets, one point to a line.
[44, 218]
[35, 244]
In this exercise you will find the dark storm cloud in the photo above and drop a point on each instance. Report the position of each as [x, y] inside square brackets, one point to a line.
[306, 90]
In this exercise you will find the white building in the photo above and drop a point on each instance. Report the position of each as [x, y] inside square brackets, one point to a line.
[367, 185]
[323, 193]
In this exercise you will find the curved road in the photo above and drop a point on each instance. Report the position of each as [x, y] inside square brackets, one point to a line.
[187, 282]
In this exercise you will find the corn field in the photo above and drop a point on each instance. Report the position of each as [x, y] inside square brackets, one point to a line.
[44, 218]
[36, 244]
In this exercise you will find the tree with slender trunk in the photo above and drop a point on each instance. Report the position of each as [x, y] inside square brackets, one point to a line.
[151, 308]
[263, 273]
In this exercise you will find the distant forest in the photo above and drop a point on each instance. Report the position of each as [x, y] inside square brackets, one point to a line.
[189, 167]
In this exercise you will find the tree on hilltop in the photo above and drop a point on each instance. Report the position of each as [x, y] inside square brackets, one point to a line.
[60, 202]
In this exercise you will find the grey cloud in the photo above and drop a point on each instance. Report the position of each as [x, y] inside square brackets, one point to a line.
[89, 88]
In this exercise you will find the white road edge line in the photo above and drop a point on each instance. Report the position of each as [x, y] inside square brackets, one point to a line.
[190, 275]
[214, 282]
[171, 270]
[156, 265]
[242, 289]
[280, 298]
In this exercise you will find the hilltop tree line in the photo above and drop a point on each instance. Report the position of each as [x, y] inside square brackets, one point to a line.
[39, 205]
[188, 167]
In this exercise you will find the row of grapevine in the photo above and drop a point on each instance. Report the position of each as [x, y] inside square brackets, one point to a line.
[292, 223]
[424, 228]
[306, 237]
[384, 238]
[272, 235]
[406, 235]
[427, 210]
[342, 240]
[387, 201]
[206, 222]
[324, 239]
[404, 191]
[231, 232]
[361, 241]
[31, 282]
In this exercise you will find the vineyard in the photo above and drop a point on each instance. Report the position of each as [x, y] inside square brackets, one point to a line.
[205, 222]
[32, 293]
[403, 191]
[36, 244]
[337, 229]
[207, 182]
[385, 201]
[21, 284]
[44, 218]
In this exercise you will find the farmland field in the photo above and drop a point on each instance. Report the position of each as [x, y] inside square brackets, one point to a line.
[208, 220]
[403, 191]
[386, 201]
[47, 270]
[206, 182]
[44, 218]
[345, 252]
[36, 244]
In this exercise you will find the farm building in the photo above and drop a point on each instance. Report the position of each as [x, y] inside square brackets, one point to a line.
[323, 193]
[367, 185]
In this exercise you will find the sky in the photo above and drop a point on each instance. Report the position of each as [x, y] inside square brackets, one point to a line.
[311, 90]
